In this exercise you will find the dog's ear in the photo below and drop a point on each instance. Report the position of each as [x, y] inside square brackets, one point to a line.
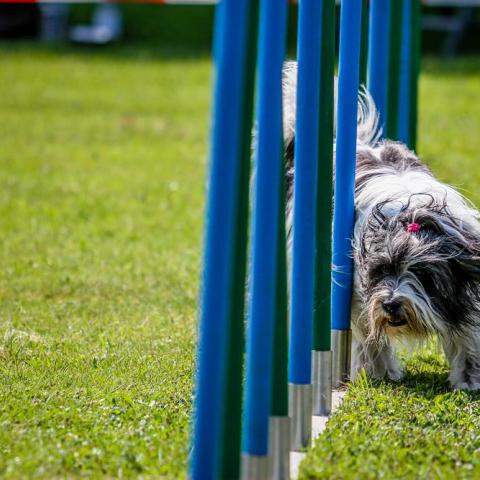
[466, 264]
[454, 241]
[461, 247]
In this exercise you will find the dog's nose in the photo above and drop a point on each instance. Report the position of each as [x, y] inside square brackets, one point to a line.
[391, 306]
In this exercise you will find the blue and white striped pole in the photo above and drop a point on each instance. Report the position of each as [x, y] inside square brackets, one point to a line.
[303, 251]
[264, 269]
[342, 272]
[218, 272]
[378, 48]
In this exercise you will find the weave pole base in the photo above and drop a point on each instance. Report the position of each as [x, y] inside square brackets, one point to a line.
[341, 346]
[279, 448]
[300, 412]
[322, 382]
[254, 467]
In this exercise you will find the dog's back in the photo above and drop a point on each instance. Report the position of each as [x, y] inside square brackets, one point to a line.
[396, 171]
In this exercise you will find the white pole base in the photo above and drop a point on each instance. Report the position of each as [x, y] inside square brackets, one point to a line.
[279, 448]
[322, 382]
[300, 412]
[254, 467]
[341, 346]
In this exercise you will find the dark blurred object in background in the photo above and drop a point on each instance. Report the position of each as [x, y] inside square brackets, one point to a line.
[54, 21]
[19, 20]
[457, 23]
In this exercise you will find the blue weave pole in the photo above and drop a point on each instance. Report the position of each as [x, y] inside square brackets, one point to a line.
[405, 91]
[216, 295]
[303, 251]
[264, 265]
[378, 56]
[342, 270]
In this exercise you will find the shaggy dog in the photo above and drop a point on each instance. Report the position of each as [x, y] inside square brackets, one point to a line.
[416, 252]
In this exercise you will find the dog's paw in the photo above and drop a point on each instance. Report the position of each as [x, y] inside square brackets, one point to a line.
[474, 386]
[396, 375]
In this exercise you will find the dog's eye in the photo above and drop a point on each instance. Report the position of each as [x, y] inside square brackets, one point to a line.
[383, 270]
[388, 269]
[422, 273]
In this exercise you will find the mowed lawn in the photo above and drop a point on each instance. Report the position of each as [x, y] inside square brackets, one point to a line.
[102, 164]
[102, 169]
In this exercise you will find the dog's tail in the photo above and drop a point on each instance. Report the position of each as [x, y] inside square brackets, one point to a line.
[368, 129]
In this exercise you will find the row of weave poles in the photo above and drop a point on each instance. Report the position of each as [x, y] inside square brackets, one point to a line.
[269, 355]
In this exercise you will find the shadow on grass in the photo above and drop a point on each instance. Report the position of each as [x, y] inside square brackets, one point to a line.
[134, 50]
[429, 386]
[426, 377]
[449, 68]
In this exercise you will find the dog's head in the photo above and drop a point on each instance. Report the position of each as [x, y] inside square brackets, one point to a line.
[418, 269]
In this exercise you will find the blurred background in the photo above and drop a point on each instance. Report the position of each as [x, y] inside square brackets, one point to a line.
[450, 27]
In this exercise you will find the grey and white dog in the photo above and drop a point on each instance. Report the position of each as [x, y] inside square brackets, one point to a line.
[416, 251]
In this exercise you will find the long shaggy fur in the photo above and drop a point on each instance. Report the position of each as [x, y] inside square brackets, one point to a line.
[416, 251]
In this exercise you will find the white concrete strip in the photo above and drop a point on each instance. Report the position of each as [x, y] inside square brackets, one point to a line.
[318, 426]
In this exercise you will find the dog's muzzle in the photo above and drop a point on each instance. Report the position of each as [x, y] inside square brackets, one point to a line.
[393, 312]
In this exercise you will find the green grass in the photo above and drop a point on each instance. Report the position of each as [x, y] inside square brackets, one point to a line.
[101, 200]
[102, 165]
[419, 428]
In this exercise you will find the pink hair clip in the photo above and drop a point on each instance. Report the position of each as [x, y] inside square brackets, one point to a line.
[413, 227]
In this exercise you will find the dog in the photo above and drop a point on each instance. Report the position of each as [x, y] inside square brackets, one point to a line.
[415, 248]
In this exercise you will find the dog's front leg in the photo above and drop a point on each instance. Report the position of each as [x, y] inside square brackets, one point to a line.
[376, 360]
